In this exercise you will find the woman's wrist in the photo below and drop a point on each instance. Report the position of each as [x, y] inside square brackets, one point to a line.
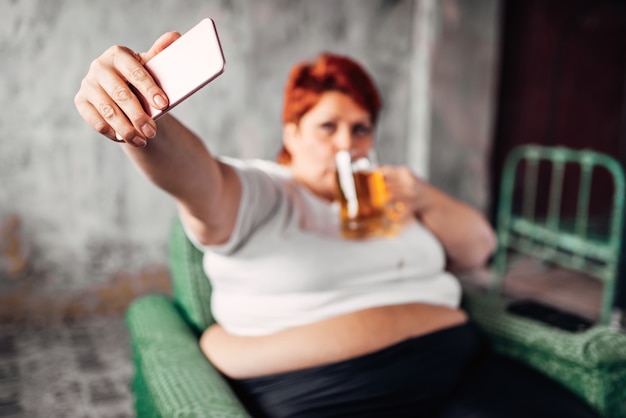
[425, 198]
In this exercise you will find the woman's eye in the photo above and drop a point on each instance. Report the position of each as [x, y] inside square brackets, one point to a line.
[328, 127]
[362, 130]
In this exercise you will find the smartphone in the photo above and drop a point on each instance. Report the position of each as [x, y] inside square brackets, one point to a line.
[550, 315]
[186, 65]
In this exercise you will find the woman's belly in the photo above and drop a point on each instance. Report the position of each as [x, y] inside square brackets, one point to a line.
[328, 341]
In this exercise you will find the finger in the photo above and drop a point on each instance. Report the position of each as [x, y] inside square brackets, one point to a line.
[159, 45]
[117, 89]
[93, 118]
[115, 117]
[130, 68]
[399, 177]
[392, 194]
[392, 181]
[389, 172]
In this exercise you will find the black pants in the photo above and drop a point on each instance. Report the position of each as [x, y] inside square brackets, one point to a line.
[446, 374]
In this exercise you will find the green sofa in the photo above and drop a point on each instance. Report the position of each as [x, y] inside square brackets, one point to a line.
[173, 378]
[591, 363]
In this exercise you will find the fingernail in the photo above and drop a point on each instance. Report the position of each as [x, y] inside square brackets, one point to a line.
[160, 101]
[138, 141]
[148, 130]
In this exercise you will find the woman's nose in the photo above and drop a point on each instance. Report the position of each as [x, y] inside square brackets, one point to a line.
[343, 139]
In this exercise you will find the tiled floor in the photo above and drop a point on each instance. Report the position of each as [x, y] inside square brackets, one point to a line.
[80, 369]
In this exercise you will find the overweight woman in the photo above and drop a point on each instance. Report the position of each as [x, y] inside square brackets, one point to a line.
[309, 323]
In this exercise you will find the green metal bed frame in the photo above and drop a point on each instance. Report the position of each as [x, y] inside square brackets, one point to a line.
[553, 239]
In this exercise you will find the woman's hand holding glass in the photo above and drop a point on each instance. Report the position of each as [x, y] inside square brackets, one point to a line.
[405, 191]
[374, 199]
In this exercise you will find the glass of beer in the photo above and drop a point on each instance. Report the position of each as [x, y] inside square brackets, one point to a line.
[362, 195]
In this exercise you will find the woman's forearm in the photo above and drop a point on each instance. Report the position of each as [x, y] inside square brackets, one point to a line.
[175, 160]
[207, 191]
[467, 237]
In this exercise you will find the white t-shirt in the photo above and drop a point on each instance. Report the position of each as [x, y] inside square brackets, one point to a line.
[286, 264]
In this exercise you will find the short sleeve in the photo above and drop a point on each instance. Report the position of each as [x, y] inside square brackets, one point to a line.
[260, 195]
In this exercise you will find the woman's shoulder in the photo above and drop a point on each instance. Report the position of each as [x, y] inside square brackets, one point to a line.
[270, 168]
[261, 180]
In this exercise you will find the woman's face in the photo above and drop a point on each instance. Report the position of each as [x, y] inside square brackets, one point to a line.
[335, 123]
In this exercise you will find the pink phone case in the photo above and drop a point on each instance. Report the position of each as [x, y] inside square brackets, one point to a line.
[187, 65]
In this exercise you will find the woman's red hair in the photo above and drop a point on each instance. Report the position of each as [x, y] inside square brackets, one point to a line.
[329, 72]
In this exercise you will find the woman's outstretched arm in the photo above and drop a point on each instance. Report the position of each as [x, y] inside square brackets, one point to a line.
[169, 154]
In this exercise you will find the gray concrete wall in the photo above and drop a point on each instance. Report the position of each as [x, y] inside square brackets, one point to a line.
[85, 214]
[462, 100]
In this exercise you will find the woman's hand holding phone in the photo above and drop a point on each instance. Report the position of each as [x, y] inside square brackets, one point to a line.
[124, 91]
[108, 104]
